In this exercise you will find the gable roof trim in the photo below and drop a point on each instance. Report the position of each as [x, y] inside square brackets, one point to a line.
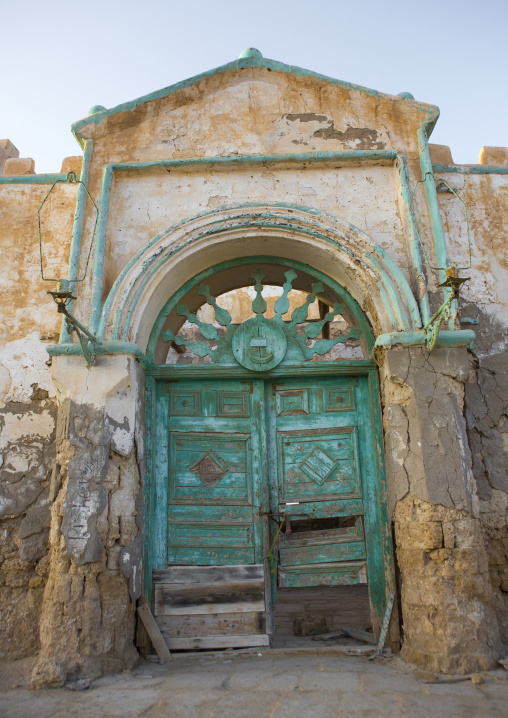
[241, 64]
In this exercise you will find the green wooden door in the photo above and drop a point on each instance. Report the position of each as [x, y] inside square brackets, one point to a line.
[316, 477]
[216, 472]
[230, 452]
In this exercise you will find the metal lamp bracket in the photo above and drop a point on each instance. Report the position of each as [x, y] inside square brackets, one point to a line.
[62, 294]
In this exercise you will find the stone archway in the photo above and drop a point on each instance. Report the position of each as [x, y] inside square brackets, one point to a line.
[346, 498]
[430, 495]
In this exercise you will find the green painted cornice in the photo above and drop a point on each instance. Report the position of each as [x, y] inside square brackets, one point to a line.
[431, 111]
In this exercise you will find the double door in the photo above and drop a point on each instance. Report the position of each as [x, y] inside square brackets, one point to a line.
[243, 454]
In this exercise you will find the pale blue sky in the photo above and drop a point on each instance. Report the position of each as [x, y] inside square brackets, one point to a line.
[62, 57]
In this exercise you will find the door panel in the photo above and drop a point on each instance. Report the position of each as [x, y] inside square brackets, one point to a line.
[317, 479]
[318, 464]
[214, 477]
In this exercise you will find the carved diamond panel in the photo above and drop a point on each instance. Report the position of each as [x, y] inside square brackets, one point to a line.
[209, 469]
[318, 465]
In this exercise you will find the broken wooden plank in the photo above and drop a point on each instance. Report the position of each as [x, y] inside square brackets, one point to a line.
[205, 642]
[153, 631]
[321, 553]
[208, 574]
[178, 595]
[329, 636]
[165, 609]
[175, 599]
[213, 624]
[386, 623]
[325, 574]
[365, 636]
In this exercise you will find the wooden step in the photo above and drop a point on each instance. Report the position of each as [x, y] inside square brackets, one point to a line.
[207, 607]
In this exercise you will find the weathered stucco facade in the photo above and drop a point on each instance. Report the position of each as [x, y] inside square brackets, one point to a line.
[253, 159]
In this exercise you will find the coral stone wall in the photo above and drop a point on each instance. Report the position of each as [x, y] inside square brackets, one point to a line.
[485, 301]
[28, 405]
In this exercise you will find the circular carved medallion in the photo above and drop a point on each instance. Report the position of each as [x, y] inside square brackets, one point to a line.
[259, 344]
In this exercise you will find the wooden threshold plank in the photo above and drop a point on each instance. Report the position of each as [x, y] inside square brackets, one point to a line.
[213, 624]
[244, 591]
[163, 609]
[208, 574]
[204, 642]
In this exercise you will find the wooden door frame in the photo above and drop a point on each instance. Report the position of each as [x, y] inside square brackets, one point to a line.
[380, 560]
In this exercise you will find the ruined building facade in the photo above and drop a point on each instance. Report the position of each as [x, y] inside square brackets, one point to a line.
[265, 267]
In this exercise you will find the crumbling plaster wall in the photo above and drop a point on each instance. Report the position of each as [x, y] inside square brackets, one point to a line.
[146, 203]
[273, 112]
[28, 407]
[448, 611]
[94, 565]
[252, 111]
[485, 299]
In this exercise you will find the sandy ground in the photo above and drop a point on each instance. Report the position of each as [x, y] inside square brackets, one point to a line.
[258, 685]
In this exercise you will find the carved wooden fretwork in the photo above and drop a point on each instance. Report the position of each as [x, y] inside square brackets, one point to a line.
[260, 344]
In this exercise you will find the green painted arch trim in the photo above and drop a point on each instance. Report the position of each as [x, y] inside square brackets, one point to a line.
[386, 288]
[154, 260]
[205, 274]
[96, 307]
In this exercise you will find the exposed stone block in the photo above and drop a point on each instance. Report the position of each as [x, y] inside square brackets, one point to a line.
[36, 520]
[34, 547]
[440, 155]
[448, 535]
[468, 533]
[472, 586]
[469, 560]
[7, 150]
[428, 535]
[72, 164]
[19, 166]
[128, 530]
[494, 156]
[503, 576]
[112, 478]
[497, 552]
[411, 559]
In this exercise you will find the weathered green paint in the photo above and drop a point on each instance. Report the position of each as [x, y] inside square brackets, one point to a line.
[230, 451]
[100, 249]
[77, 230]
[160, 489]
[261, 344]
[111, 348]
[214, 470]
[200, 278]
[469, 169]
[436, 223]
[305, 555]
[196, 371]
[33, 179]
[414, 245]
[323, 575]
[149, 487]
[446, 338]
[357, 156]
[430, 111]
